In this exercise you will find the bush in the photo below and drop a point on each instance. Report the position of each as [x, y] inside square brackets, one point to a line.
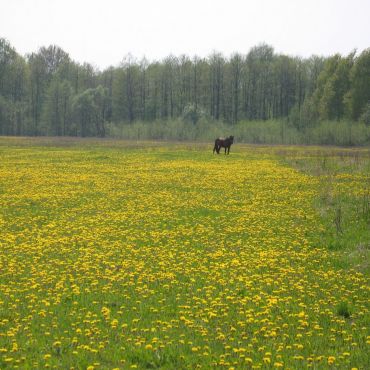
[365, 117]
[266, 132]
[338, 133]
[193, 113]
[176, 130]
[255, 132]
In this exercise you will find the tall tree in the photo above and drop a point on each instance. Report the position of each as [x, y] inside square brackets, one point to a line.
[236, 65]
[89, 109]
[358, 96]
[57, 108]
[217, 62]
[332, 86]
[13, 91]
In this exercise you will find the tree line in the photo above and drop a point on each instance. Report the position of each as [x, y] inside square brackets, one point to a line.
[47, 93]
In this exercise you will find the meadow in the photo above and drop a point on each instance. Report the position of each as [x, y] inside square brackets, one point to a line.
[119, 255]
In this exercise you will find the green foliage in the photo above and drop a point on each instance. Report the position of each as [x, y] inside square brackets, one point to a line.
[57, 108]
[89, 109]
[13, 91]
[344, 212]
[339, 133]
[193, 114]
[365, 117]
[256, 132]
[47, 93]
[126, 104]
[358, 97]
[333, 85]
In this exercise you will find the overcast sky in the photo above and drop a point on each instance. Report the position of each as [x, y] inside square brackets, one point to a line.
[102, 32]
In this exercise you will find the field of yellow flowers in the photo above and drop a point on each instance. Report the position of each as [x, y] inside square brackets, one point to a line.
[116, 256]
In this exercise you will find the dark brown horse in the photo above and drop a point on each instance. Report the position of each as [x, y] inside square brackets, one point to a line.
[223, 143]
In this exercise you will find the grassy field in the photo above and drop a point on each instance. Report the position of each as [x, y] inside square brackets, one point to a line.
[117, 255]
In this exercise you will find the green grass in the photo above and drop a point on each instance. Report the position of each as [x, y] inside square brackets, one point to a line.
[121, 254]
[343, 201]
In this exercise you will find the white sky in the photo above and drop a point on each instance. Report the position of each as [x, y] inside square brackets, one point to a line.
[103, 32]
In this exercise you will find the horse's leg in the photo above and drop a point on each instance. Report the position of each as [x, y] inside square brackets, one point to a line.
[216, 147]
[225, 149]
[228, 149]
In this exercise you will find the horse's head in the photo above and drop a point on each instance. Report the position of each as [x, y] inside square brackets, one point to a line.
[231, 138]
